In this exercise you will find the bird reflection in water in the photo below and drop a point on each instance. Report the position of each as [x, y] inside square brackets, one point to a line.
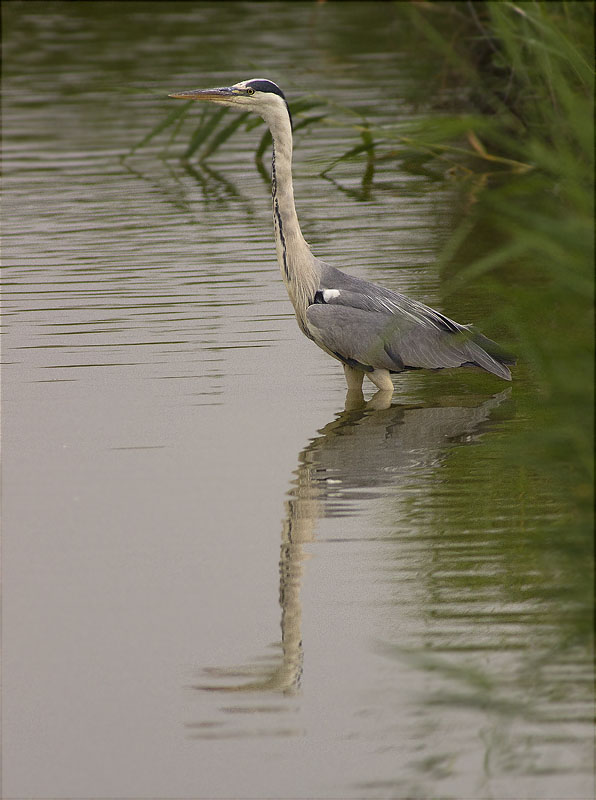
[362, 449]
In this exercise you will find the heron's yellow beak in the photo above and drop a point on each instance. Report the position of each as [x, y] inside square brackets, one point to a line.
[215, 95]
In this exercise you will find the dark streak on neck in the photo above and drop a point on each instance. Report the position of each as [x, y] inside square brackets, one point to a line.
[278, 215]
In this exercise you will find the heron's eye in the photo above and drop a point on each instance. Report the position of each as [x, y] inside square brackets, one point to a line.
[250, 91]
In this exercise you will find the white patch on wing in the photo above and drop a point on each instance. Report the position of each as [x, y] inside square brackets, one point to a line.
[329, 294]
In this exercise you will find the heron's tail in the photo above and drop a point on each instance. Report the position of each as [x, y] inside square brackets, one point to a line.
[489, 355]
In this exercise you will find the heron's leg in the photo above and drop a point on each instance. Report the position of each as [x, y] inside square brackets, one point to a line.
[381, 379]
[354, 396]
[354, 378]
[380, 400]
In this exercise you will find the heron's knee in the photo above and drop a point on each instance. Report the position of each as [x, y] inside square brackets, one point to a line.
[381, 379]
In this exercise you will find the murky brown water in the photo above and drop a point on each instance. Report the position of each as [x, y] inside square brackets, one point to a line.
[217, 583]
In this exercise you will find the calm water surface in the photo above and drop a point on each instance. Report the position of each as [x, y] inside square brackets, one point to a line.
[217, 583]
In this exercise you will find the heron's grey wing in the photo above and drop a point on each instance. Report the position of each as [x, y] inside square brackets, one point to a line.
[377, 332]
[351, 334]
[342, 289]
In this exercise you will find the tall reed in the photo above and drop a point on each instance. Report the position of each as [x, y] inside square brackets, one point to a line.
[528, 243]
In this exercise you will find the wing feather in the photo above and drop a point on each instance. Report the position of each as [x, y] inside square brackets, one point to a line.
[386, 330]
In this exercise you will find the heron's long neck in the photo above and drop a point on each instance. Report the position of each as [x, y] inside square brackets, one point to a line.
[296, 262]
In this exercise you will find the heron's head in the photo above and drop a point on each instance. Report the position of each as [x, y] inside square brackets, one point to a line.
[259, 95]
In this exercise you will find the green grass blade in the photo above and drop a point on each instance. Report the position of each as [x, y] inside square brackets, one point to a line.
[365, 147]
[203, 131]
[177, 113]
[304, 123]
[223, 134]
[488, 263]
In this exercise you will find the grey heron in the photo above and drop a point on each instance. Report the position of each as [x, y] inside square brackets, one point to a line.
[371, 330]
